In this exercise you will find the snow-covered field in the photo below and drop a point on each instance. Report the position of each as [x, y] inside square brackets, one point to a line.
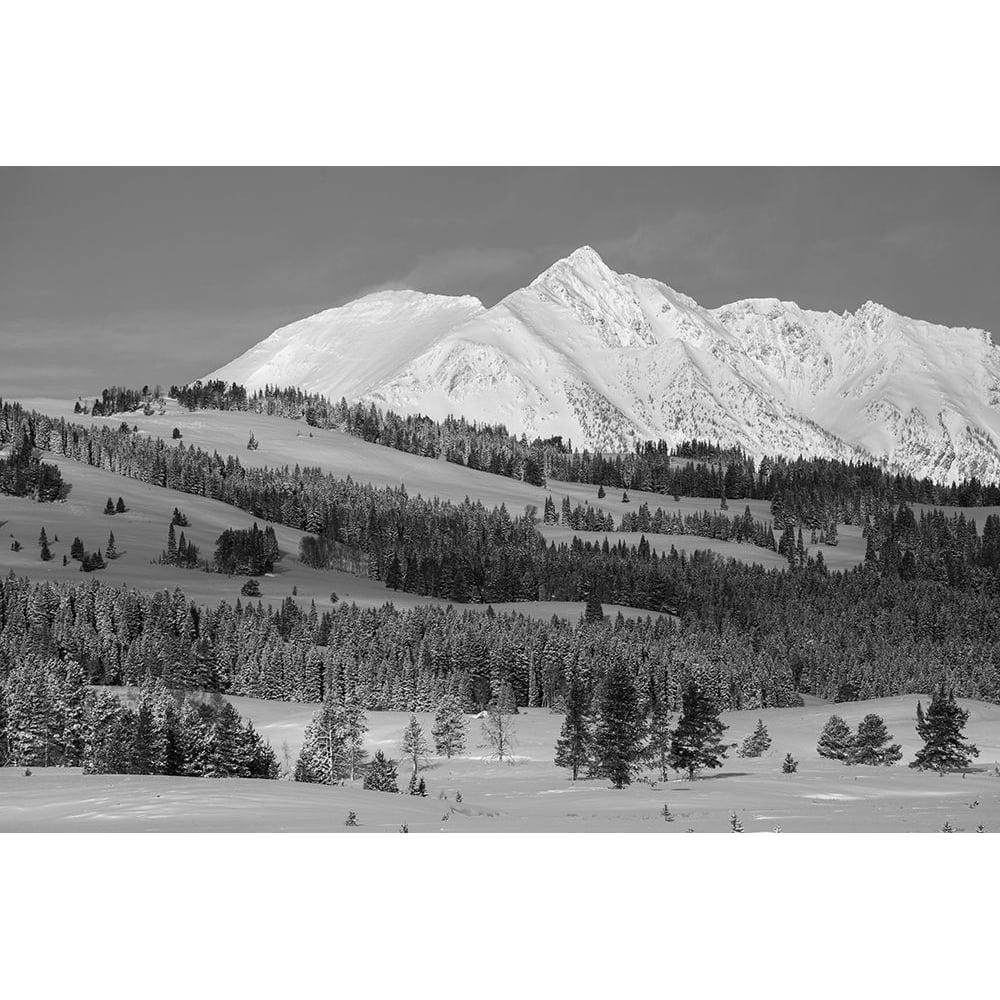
[531, 794]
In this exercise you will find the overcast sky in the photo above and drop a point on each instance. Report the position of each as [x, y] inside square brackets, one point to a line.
[126, 275]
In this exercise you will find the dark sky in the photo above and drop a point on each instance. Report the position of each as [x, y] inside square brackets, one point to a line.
[129, 275]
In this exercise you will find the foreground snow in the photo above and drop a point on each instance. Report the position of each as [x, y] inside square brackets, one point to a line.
[532, 795]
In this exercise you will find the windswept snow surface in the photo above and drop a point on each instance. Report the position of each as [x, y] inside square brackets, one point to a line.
[605, 359]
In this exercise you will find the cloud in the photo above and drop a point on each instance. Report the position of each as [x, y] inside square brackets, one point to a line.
[460, 272]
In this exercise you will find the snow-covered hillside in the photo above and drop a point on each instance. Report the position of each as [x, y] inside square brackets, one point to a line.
[605, 359]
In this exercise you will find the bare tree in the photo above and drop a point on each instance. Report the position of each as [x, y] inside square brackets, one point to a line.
[498, 726]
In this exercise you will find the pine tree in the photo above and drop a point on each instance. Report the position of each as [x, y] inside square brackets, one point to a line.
[144, 741]
[593, 611]
[43, 539]
[789, 765]
[322, 758]
[448, 730]
[120, 507]
[226, 756]
[380, 775]
[870, 744]
[107, 737]
[413, 744]
[111, 552]
[171, 545]
[757, 743]
[735, 823]
[76, 550]
[601, 494]
[353, 726]
[46, 553]
[497, 728]
[574, 746]
[836, 741]
[697, 741]
[109, 507]
[941, 731]
[619, 743]
[392, 574]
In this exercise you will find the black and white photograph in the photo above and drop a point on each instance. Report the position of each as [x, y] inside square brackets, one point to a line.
[535, 501]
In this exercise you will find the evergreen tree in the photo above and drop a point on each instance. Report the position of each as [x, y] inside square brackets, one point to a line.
[413, 744]
[870, 744]
[593, 613]
[144, 749]
[620, 729]
[448, 730]
[836, 741]
[392, 576]
[660, 734]
[757, 743]
[789, 765]
[109, 507]
[111, 552]
[76, 550]
[574, 746]
[120, 507]
[697, 741]
[601, 494]
[107, 746]
[942, 732]
[322, 758]
[353, 726]
[380, 775]
[46, 553]
[227, 755]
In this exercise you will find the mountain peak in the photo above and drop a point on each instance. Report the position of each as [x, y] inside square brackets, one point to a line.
[606, 359]
[584, 262]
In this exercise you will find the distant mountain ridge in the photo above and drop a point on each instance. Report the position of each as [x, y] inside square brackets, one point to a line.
[607, 359]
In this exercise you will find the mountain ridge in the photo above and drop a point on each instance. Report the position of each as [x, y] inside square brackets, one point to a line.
[607, 359]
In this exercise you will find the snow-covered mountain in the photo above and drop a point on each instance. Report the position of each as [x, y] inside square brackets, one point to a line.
[605, 359]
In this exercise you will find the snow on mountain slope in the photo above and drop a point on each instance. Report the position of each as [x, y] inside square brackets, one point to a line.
[342, 351]
[606, 359]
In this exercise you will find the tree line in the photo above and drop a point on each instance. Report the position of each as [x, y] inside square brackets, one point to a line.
[688, 468]
[50, 718]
